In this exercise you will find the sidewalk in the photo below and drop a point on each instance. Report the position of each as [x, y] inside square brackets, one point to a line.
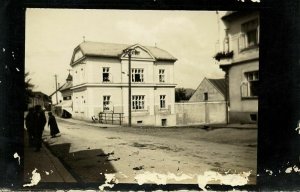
[100, 125]
[47, 165]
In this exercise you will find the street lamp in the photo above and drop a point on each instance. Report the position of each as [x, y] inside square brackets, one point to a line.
[129, 52]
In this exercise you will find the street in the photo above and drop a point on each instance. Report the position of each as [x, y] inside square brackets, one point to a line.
[89, 152]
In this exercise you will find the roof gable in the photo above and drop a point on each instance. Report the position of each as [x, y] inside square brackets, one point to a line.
[114, 50]
[220, 85]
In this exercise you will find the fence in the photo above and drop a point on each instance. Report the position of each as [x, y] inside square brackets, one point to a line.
[111, 118]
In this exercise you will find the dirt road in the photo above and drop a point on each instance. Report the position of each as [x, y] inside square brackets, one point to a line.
[90, 152]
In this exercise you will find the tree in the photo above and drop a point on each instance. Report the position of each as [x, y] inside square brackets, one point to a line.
[180, 94]
[28, 89]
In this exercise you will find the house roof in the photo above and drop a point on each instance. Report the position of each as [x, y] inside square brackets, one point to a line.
[58, 89]
[230, 15]
[89, 48]
[67, 85]
[220, 84]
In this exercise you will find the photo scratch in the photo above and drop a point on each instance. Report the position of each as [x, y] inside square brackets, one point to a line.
[109, 182]
[18, 157]
[35, 179]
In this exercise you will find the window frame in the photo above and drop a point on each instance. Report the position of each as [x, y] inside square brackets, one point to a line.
[161, 75]
[105, 70]
[106, 103]
[138, 102]
[137, 71]
[162, 101]
[246, 90]
[243, 39]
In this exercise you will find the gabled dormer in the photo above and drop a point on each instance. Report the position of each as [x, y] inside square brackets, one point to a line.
[138, 53]
[77, 56]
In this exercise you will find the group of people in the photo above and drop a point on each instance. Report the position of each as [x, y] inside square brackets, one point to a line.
[35, 122]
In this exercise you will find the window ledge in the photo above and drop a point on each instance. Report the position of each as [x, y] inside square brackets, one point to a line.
[250, 98]
[249, 48]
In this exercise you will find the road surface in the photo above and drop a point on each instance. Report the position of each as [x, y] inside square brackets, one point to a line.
[89, 152]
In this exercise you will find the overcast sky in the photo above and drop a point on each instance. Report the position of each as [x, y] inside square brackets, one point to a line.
[52, 35]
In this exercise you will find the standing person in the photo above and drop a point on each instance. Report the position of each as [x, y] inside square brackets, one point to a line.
[39, 124]
[53, 125]
[29, 123]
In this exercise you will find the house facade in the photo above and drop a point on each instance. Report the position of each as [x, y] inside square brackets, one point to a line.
[209, 90]
[65, 107]
[240, 62]
[100, 83]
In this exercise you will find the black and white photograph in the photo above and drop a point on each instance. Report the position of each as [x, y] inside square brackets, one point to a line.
[141, 97]
[151, 95]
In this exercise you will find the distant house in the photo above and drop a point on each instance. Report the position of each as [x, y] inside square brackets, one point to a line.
[210, 90]
[39, 98]
[100, 83]
[240, 62]
[65, 108]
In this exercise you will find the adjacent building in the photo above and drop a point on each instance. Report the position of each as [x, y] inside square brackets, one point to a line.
[100, 83]
[39, 98]
[210, 90]
[240, 62]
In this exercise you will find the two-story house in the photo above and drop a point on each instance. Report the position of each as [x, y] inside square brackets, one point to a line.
[240, 61]
[100, 83]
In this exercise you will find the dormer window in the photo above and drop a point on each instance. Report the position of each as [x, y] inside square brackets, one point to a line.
[249, 35]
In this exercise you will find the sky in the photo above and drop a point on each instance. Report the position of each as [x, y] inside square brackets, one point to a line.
[52, 34]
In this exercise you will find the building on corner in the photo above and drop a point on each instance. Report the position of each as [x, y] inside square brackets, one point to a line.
[240, 62]
[100, 83]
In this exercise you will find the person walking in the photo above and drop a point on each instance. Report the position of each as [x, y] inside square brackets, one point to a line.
[53, 125]
[29, 123]
[39, 124]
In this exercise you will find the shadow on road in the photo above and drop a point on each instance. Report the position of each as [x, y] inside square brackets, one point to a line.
[86, 166]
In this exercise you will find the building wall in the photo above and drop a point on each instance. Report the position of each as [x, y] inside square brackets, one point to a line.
[234, 31]
[206, 86]
[244, 60]
[240, 106]
[200, 113]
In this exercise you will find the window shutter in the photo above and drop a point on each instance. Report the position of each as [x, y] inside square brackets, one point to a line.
[244, 89]
[241, 41]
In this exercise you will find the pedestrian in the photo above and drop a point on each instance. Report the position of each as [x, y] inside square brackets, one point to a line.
[29, 123]
[39, 124]
[53, 125]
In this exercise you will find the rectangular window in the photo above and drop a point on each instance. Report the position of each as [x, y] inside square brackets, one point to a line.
[249, 34]
[161, 75]
[162, 99]
[106, 103]
[249, 87]
[205, 96]
[105, 74]
[137, 75]
[138, 102]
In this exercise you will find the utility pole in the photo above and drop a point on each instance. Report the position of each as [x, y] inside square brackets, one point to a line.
[56, 88]
[129, 52]
[129, 89]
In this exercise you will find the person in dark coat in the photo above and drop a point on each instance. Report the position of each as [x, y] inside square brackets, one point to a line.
[29, 123]
[39, 124]
[53, 125]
